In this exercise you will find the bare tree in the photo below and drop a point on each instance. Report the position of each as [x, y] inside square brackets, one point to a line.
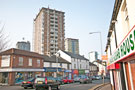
[3, 40]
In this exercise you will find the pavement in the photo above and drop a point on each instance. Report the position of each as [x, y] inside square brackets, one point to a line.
[106, 87]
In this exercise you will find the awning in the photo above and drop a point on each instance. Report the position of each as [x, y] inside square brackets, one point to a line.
[113, 66]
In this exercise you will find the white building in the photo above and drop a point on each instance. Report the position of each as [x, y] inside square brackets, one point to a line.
[101, 67]
[93, 56]
[93, 69]
[79, 64]
[120, 46]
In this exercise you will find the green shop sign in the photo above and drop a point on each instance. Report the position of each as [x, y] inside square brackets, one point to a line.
[126, 47]
[81, 71]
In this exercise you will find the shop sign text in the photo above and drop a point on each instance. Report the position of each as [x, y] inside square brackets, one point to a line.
[126, 47]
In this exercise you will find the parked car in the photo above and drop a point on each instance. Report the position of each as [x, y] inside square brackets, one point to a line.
[77, 79]
[98, 77]
[85, 79]
[28, 83]
[93, 77]
[107, 77]
[68, 80]
[42, 83]
[60, 79]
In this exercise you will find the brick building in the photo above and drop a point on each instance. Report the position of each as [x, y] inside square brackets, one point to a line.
[18, 65]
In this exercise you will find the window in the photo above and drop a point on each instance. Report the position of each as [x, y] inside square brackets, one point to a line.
[61, 64]
[74, 66]
[5, 62]
[30, 62]
[80, 66]
[20, 61]
[125, 18]
[72, 60]
[86, 67]
[38, 63]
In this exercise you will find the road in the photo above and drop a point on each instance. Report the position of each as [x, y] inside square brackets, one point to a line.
[74, 86]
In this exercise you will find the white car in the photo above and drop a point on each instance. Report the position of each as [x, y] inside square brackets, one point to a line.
[98, 77]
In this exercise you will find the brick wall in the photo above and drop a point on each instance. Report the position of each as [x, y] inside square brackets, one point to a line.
[26, 62]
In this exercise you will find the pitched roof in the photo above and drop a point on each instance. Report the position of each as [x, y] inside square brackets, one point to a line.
[53, 59]
[75, 55]
[91, 64]
[20, 52]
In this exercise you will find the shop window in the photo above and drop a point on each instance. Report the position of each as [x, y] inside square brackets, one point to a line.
[30, 75]
[4, 77]
[19, 77]
[38, 63]
[30, 62]
[20, 61]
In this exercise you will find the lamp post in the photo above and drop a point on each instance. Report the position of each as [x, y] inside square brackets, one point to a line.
[100, 40]
[101, 47]
[57, 56]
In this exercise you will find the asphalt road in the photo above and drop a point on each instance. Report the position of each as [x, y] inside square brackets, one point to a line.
[74, 86]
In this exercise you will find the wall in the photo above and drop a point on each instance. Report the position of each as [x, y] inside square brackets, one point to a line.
[46, 64]
[80, 64]
[64, 56]
[25, 62]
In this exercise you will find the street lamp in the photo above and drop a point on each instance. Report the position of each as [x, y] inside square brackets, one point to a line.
[57, 56]
[100, 40]
[101, 48]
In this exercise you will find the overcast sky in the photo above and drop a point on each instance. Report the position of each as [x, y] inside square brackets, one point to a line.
[81, 18]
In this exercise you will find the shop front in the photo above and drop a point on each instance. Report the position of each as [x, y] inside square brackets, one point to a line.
[22, 76]
[122, 64]
[68, 73]
[87, 73]
[53, 72]
[4, 77]
[75, 73]
[81, 72]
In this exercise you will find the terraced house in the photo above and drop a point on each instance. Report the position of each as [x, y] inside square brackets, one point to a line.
[79, 64]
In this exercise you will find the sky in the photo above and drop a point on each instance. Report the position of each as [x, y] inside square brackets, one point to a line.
[81, 18]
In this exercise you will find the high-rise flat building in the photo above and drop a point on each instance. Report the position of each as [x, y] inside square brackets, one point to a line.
[49, 31]
[23, 45]
[72, 45]
[93, 56]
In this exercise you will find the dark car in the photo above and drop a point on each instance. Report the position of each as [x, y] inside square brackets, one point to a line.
[93, 77]
[85, 79]
[42, 83]
[28, 83]
[60, 79]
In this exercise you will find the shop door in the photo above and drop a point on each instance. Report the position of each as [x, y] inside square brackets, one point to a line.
[128, 76]
[4, 78]
[132, 64]
[116, 80]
